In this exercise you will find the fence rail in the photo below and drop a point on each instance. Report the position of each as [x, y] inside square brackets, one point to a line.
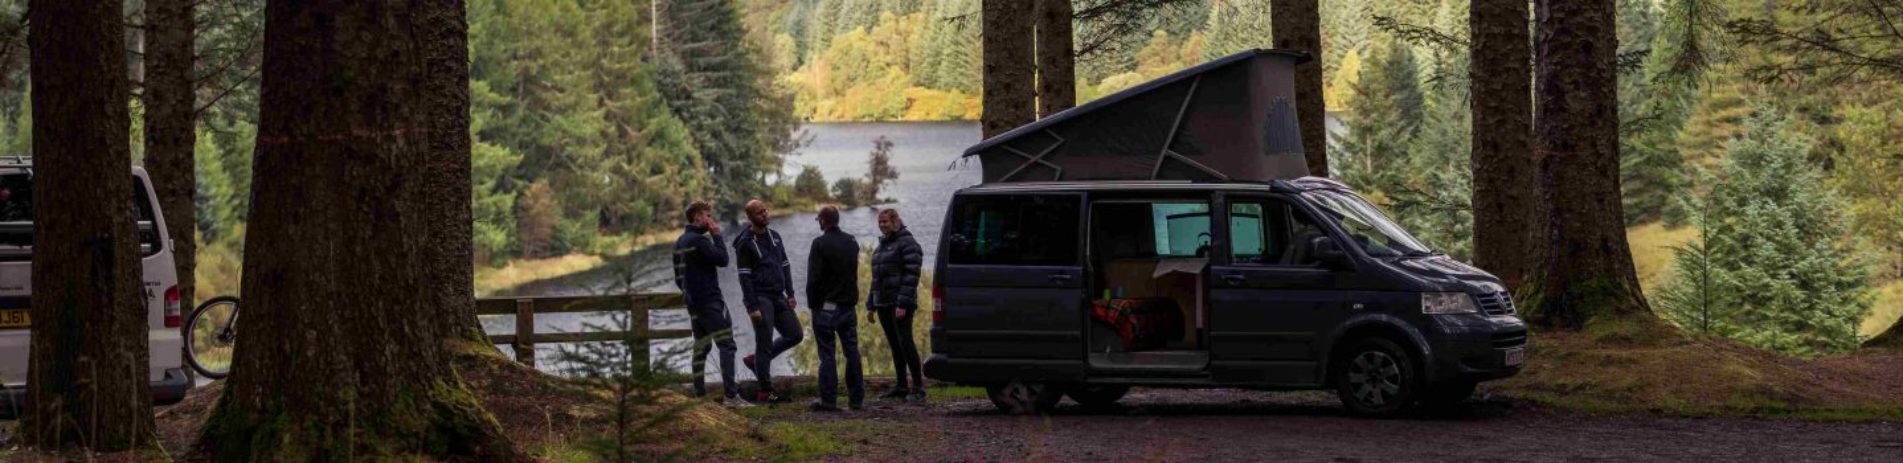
[524, 308]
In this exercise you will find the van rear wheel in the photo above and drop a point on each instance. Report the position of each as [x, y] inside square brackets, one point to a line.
[1376, 377]
[1023, 398]
[1097, 396]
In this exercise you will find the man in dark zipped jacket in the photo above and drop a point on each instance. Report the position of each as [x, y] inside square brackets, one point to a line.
[832, 292]
[766, 283]
[697, 254]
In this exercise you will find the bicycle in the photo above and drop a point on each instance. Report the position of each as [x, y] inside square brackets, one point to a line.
[210, 336]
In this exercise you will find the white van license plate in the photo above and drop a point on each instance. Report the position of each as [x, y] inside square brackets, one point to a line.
[1516, 357]
[15, 319]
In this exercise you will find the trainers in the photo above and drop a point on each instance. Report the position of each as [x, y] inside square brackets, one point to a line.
[769, 397]
[917, 397]
[749, 362]
[897, 393]
[733, 401]
[818, 406]
[857, 406]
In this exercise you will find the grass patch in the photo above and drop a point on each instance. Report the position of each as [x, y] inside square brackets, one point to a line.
[1886, 310]
[796, 441]
[1651, 246]
[1604, 371]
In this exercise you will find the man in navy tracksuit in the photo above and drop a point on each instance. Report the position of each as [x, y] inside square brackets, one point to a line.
[697, 254]
[766, 283]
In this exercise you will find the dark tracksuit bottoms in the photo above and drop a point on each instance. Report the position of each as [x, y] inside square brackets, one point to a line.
[832, 289]
[766, 283]
[697, 255]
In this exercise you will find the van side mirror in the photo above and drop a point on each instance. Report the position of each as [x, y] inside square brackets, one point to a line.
[1329, 253]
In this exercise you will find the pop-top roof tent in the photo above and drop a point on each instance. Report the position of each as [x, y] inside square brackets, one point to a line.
[1232, 119]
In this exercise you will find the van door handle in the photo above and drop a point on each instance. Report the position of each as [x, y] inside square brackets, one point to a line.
[1060, 278]
[1234, 278]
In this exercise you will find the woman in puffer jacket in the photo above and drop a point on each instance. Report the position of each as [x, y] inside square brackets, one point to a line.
[894, 300]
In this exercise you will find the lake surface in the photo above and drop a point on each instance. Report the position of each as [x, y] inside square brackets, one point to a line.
[926, 155]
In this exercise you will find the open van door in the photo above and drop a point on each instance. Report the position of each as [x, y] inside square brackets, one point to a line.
[1013, 285]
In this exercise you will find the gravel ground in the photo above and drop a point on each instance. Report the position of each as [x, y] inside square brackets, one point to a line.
[1226, 425]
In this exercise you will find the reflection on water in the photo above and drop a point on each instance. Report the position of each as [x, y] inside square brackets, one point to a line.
[926, 155]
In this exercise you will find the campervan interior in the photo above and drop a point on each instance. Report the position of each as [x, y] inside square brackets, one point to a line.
[1148, 259]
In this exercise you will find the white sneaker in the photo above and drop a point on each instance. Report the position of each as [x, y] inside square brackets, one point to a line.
[735, 402]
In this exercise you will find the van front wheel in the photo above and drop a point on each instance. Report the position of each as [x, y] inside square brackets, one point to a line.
[1376, 377]
[1022, 398]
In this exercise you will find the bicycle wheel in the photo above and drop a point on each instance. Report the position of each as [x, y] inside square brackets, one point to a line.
[210, 336]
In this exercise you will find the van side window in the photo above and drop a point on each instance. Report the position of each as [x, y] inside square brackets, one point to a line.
[1270, 232]
[1014, 230]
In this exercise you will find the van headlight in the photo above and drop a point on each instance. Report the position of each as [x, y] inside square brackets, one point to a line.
[1447, 303]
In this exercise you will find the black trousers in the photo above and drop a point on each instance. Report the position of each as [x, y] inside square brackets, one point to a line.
[840, 327]
[898, 335]
[713, 328]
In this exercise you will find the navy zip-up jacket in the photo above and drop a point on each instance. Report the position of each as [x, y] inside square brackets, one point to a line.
[832, 270]
[696, 256]
[764, 270]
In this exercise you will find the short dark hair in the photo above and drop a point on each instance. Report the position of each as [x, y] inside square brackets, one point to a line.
[829, 216]
[697, 208]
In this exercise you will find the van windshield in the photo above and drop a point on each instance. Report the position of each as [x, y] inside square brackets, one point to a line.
[1367, 226]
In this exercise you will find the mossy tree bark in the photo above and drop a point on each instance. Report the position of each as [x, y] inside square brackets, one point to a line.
[170, 129]
[86, 375]
[1297, 25]
[362, 163]
[1056, 58]
[1010, 96]
[1505, 188]
[1587, 271]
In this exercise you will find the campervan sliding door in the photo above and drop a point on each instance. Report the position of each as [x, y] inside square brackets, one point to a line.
[1014, 283]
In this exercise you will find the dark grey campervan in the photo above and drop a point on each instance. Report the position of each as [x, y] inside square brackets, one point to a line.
[1284, 285]
[1169, 236]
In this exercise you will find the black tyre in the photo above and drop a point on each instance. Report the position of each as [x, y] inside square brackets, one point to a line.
[1097, 396]
[210, 336]
[1448, 395]
[1376, 377]
[1022, 398]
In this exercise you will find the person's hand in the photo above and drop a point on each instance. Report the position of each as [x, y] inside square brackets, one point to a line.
[792, 303]
[713, 227]
[872, 316]
[898, 312]
[754, 314]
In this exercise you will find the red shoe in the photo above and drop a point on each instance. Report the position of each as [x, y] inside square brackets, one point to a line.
[749, 362]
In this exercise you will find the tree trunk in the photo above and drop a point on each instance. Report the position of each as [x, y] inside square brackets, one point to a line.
[1505, 187]
[1056, 61]
[1891, 338]
[87, 372]
[171, 130]
[339, 257]
[1009, 97]
[1587, 271]
[1297, 25]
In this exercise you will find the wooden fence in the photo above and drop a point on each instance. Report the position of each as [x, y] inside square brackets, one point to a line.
[525, 308]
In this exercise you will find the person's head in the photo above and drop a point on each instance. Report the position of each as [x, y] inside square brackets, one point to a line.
[758, 213]
[699, 213]
[889, 221]
[828, 218]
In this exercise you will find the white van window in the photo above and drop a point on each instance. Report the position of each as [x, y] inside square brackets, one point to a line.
[1014, 230]
[17, 205]
[1270, 232]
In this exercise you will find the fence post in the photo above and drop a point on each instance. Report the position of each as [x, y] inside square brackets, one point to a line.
[638, 330]
[525, 332]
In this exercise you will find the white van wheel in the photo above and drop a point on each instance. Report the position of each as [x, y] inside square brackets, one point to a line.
[1022, 398]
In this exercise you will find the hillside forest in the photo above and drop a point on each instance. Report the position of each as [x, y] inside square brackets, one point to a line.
[1758, 184]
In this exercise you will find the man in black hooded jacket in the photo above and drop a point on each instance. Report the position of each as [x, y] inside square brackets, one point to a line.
[832, 289]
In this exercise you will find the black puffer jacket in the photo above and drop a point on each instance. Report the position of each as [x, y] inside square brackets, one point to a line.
[895, 271]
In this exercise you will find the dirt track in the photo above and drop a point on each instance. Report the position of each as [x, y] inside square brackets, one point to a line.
[1221, 425]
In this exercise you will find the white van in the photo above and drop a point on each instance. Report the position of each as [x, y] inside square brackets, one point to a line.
[164, 313]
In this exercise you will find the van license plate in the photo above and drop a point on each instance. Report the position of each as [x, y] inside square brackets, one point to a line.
[15, 318]
[1516, 357]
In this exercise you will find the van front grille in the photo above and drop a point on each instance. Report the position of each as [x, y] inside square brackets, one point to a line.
[1496, 303]
[1509, 340]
